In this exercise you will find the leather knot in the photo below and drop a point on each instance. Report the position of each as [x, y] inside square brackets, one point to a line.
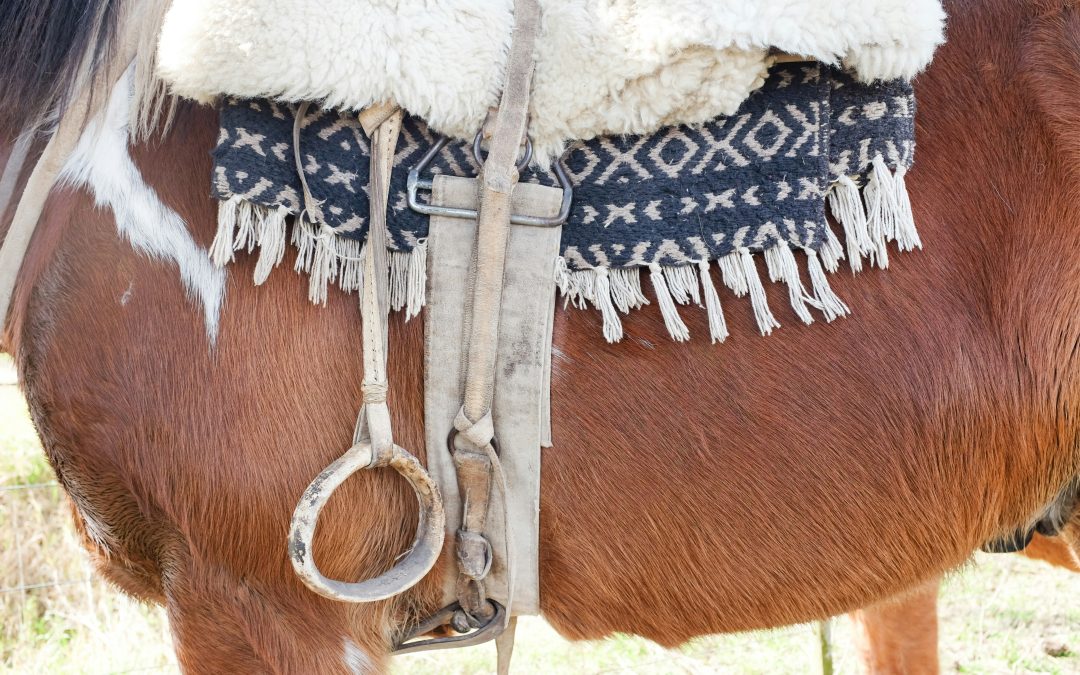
[479, 433]
[474, 554]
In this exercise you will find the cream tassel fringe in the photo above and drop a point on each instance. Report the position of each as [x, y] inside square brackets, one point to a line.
[326, 256]
[845, 202]
[271, 241]
[782, 266]
[718, 329]
[881, 208]
[323, 265]
[626, 289]
[682, 281]
[907, 237]
[732, 272]
[765, 319]
[221, 250]
[613, 330]
[417, 282]
[303, 239]
[350, 254]
[827, 300]
[674, 323]
[833, 251]
[245, 227]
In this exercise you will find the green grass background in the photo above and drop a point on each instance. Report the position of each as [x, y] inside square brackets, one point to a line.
[1000, 614]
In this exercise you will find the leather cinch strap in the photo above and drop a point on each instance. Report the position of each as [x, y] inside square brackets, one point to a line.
[524, 347]
[473, 331]
[474, 446]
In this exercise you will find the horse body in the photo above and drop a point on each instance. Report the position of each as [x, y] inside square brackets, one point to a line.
[691, 489]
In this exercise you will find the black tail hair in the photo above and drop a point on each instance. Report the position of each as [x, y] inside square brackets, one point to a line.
[43, 46]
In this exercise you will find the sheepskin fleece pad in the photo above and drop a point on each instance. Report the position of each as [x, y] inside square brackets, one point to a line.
[603, 66]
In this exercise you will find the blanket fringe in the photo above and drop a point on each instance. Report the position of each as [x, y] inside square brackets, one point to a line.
[618, 291]
[826, 300]
[270, 239]
[718, 329]
[782, 267]
[765, 320]
[871, 216]
[845, 202]
[613, 331]
[732, 272]
[674, 323]
[832, 252]
[321, 253]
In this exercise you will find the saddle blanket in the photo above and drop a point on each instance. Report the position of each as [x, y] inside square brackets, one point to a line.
[671, 202]
[603, 67]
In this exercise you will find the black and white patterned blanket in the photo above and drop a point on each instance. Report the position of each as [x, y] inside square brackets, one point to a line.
[751, 182]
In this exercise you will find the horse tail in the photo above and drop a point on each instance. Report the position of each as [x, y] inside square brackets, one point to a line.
[49, 48]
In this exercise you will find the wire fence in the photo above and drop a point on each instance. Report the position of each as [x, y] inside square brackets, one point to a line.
[56, 615]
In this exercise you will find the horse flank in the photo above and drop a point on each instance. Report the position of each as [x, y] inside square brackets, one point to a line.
[861, 492]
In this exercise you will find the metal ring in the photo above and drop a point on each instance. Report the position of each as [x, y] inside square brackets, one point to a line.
[417, 183]
[426, 547]
[478, 151]
[490, 630]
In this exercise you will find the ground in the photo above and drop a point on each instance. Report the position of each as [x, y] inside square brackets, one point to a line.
[1000, 614]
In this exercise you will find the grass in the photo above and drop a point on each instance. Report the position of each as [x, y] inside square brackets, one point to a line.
[1001, 614]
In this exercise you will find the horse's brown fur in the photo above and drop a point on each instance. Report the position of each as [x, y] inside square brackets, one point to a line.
[692, 488]
[900, 635]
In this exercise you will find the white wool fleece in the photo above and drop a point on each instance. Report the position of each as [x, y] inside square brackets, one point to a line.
[603, 66]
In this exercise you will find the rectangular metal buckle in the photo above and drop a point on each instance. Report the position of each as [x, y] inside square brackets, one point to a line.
[416, 183]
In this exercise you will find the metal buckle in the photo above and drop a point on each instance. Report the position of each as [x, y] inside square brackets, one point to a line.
[416, 183]
[489, 630]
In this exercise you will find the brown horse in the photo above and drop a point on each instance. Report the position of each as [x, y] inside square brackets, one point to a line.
[900, 635]
[692, 489]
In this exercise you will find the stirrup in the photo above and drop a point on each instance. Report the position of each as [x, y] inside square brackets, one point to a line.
[419, 560]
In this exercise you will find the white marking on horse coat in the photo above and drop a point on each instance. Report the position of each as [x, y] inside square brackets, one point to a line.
[126, 297]
[357, 660]
[101, 164]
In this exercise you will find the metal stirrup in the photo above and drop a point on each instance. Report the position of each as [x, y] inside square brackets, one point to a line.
[374, 444]
[426, 546]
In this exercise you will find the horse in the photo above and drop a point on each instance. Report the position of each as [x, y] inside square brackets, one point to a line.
[691, 489]
[900, 635]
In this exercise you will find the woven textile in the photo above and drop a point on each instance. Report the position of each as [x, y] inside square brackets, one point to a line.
[750, 183]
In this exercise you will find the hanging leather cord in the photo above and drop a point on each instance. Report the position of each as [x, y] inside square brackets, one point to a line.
[73, 119]
[9, 180]
[373, 445]
[38, 187]
[376, 305]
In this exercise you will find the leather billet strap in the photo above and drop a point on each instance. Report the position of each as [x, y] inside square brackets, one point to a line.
[473, 447]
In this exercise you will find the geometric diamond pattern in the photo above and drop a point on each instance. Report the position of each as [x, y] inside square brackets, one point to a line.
[679, 195]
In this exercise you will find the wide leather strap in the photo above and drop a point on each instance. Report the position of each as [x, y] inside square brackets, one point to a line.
[523, 367]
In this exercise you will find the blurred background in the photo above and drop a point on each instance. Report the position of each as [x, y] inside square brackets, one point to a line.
[1000, 614]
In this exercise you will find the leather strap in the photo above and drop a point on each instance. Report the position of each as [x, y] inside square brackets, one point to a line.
[9, 180]
[73, 119]
[32, 203]
[522, 364]
[374, 422]
[473, 447]
[498, 177]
